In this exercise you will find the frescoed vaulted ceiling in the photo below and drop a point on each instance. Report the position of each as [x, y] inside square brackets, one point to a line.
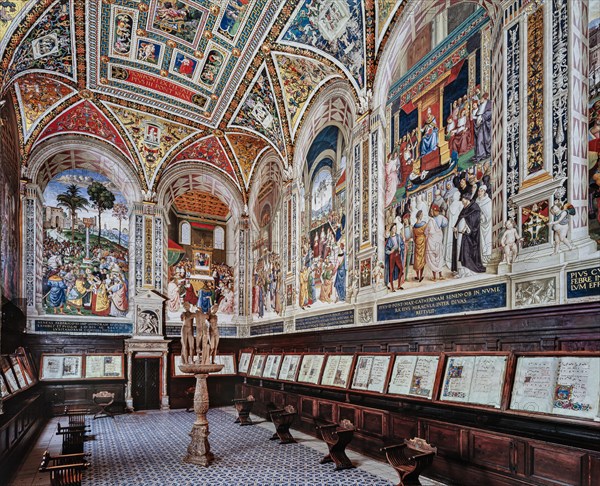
[165, 81]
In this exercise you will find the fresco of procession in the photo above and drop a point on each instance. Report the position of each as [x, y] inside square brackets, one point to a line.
[85, 256]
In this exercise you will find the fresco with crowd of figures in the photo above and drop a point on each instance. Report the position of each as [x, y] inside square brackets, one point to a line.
[438, 208]
[323, 217]
[85, 252]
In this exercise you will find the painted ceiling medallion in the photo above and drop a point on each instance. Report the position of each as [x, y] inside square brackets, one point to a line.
[48, 46]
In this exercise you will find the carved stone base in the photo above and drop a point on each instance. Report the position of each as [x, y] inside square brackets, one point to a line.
[198, 452]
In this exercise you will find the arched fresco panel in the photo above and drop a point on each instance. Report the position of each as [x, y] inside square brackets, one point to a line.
[85, 250]
[437, 195]
[267, 299]
[323, 223]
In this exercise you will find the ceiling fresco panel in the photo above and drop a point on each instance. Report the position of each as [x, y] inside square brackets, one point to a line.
[37, 95]
[11, 14]
[258, 111]
[385, 10]
[334, 29]
[180, 21]
[300, 79]
[85, 118]
[207, 150]
[246, 148]
[48, 46]
[154, 138]
[185, 58]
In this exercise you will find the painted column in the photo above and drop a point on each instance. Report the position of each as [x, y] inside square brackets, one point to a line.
[148, 247]
[33, 235]
[575, 14]
[243, 230]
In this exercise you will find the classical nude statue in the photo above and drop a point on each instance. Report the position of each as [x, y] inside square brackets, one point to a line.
[213, 333]
[188, 344]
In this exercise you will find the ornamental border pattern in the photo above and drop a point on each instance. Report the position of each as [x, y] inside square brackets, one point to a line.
[513, 113]
[560, 96]
[30, 252]
[158, 251]
[139, 242]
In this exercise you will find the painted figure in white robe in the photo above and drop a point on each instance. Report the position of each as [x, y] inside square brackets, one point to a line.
[391, 177]
[454, 209]
[434, 238]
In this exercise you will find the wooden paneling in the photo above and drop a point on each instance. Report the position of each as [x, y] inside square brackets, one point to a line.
[347, 413]
[446, 438]
[403, 428]
[534, 329]
[19, 425]
[307, 407]
[325, 412]
[492, 451]
[557, 466]
[373, 422]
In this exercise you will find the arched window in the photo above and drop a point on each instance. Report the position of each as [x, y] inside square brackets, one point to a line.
[185, 233]
[219, 238]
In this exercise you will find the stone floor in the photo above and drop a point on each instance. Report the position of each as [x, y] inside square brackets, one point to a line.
[147, 447]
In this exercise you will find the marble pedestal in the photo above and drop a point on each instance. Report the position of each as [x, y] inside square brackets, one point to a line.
[198, 452]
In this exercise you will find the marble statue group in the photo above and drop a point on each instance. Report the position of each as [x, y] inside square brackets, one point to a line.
[202, 348]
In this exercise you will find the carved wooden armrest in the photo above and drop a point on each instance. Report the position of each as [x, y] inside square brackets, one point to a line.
[327, 427]
[422, 454]
[393, 447]
[61, 467]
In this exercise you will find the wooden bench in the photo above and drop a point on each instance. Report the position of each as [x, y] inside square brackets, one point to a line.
[283, 419]
[76, 416]
[72, 438]
[103, 399]
[244, 407]
[410, 459]
[66, 469]
[337, 437]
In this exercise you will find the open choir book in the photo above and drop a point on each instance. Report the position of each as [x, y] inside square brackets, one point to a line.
[565, 385]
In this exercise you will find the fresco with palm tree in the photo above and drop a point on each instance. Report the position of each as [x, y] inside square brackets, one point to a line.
[85, 260]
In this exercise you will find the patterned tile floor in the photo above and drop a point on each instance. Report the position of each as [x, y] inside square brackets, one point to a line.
[146, 448]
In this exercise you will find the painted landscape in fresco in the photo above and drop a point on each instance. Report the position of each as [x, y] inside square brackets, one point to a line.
[85, 256]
